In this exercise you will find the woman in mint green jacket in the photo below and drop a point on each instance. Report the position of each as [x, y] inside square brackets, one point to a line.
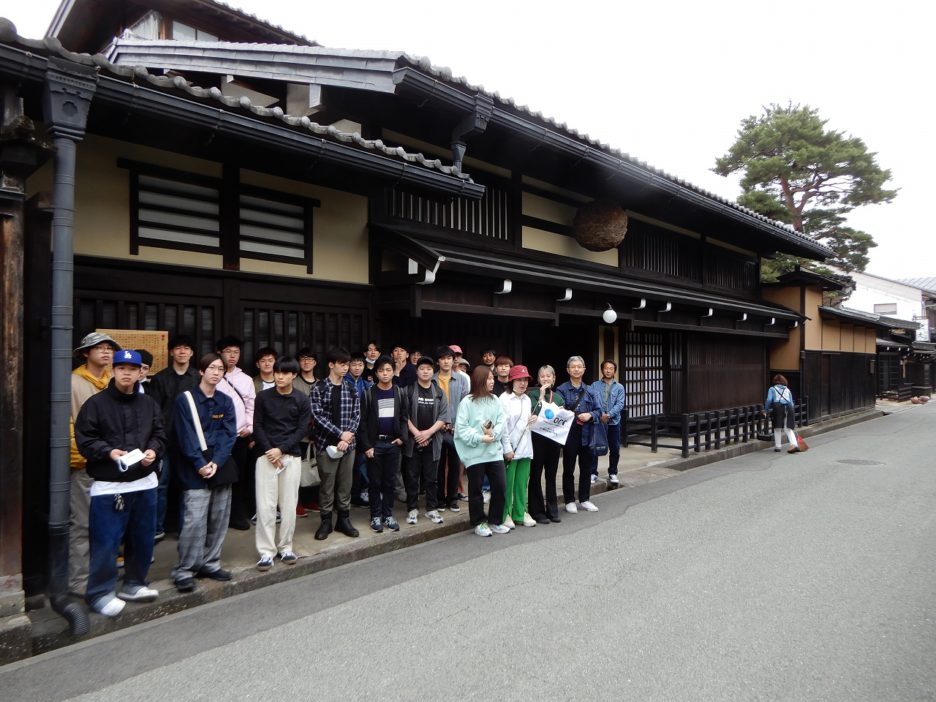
[479, 426]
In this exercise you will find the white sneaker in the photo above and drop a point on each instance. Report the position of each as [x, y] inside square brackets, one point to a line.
[141, 593]
[613, 479]
[434, 516]
[412, 517]
[500, 529]
[483, 529]
[109, 608]
[509, 523]
[594, 479]
[571, 508]
[588, 506]
[528, 521]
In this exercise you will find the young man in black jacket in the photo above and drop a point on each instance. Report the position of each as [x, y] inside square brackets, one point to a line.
[164, 387]
[120, 433]
[380, 436]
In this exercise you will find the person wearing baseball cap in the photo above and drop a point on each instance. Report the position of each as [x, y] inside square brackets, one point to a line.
[518, 446]
[88, 379]
[120, 433]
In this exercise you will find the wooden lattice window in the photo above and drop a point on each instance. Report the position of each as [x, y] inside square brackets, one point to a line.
[642, 373]
[489, 217]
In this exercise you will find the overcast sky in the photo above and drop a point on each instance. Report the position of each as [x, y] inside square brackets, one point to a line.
[669, 82]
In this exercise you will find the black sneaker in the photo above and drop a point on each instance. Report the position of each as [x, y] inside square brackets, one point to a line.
[220, 574]
[186, 584]
[376, 525]
[453, 507]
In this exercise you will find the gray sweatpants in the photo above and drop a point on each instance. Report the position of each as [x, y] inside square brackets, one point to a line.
[204, 526]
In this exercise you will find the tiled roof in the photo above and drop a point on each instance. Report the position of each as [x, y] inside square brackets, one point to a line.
[374, 70]
[870, 318]
[139, 74]
[446, 75]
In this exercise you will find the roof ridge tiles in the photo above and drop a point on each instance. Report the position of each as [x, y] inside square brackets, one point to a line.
[52, 45]
[445, 73]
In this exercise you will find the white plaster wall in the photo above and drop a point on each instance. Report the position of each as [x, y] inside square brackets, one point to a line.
[871, 290]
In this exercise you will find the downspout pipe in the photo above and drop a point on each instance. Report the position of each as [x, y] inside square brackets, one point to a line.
[67, 95]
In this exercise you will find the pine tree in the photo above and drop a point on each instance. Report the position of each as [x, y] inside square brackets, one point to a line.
[797, 171]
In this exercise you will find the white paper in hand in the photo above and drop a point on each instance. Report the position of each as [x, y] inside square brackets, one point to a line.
[128, 459]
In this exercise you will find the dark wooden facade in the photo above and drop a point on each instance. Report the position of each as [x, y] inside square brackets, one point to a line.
[447, 259]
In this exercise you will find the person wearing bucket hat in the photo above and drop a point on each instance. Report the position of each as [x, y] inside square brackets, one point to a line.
[88, 379]
[517, 445]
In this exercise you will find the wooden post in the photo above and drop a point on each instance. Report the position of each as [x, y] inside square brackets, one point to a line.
[20, 154]
[11, 403]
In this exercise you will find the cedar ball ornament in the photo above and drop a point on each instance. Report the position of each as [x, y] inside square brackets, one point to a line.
[600, 225]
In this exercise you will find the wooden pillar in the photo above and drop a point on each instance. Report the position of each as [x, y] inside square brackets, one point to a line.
[20, 154]
[11, 401]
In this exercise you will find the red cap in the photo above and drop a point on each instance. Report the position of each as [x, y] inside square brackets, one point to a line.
[456, 348]
[518, 371]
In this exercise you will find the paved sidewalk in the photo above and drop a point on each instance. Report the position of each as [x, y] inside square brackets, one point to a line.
[638, 466]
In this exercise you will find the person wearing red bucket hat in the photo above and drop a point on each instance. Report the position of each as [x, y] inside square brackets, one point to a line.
[518, 447]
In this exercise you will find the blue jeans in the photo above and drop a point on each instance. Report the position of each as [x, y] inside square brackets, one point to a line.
[108, 527]
[614, 450]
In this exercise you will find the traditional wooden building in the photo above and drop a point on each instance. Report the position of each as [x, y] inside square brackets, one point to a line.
[839, 358]
[233, 177]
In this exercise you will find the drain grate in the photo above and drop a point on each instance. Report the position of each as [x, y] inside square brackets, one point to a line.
[859, 462]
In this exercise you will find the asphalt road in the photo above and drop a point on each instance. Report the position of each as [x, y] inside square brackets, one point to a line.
[767, 577]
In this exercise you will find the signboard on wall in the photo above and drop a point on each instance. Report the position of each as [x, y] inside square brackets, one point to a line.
[153, 341]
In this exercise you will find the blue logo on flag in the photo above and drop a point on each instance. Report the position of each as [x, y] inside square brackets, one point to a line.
[549, 414]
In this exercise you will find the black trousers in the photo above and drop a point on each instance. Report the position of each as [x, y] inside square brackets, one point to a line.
[495, 472]
[382, 471]
[243, 493]
[449, 466]
[575, 450]
[422, 465]
[545, 461]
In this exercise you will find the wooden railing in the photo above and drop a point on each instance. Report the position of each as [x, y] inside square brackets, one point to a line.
[704, 431]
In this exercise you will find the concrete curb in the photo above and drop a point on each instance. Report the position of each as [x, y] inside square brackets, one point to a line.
[42, 631]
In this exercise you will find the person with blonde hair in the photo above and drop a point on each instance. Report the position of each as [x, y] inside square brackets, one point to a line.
[545, 461]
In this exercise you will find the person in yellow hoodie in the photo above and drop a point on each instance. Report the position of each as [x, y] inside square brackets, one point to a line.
[87, 380]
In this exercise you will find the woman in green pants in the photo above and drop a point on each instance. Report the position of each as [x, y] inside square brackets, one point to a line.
[518, 446]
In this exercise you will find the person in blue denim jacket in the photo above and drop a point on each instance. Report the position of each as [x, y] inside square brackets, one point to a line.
[580, 399]
[779, 405]
[610, 396]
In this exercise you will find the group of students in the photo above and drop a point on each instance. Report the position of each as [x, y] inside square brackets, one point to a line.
[230, 443]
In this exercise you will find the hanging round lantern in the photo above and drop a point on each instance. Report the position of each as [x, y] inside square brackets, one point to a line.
[600, 225]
